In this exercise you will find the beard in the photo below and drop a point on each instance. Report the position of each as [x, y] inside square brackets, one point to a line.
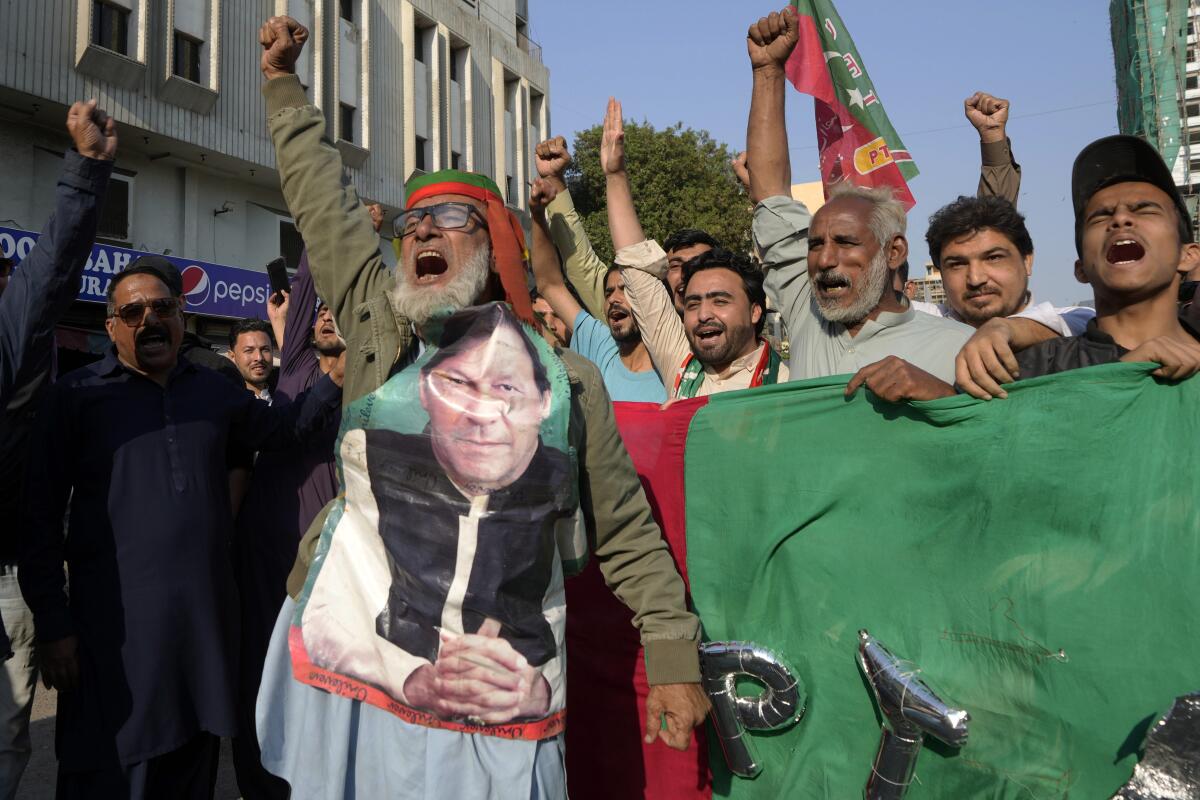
[420, 304]
[867, 295]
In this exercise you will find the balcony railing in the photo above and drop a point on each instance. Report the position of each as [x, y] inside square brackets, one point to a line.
[529, 46]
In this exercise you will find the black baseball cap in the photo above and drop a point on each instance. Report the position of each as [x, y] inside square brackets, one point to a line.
[167, 272]
[1120, 159]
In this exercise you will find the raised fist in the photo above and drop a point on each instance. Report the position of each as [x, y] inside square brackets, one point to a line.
[552, 157]
[612, 144]
[93, 131]
[988, 114]
[741, 169]
[540, 196]
[282, 39]
[771, 40]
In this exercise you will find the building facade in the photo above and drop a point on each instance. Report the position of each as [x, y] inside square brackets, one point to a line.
[405, 85]
[929, 288]
[1158, 82]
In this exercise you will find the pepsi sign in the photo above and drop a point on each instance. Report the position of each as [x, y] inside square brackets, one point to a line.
[212, 289]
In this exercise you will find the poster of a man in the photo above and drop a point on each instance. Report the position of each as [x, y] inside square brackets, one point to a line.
[442, 586]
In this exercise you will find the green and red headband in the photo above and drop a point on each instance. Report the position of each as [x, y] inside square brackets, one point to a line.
[508, 238]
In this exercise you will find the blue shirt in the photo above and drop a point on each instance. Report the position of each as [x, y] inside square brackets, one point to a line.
[152, 598]
[593, 340]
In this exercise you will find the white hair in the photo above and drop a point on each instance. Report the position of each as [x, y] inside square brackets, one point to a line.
[888, 218]
[421, 304]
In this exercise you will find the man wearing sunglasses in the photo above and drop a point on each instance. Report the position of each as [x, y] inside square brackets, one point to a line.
[458, 246]
[143, 649]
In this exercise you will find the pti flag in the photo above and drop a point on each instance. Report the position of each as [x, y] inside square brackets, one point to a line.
[1034, 561]
[856, 140]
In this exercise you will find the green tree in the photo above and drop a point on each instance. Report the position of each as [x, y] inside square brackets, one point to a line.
[680, 178]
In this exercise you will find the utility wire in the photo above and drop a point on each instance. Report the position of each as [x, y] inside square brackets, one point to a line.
[960, 126]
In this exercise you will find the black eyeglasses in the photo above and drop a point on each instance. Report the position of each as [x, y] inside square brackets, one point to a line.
[447, 216]
[134, 314]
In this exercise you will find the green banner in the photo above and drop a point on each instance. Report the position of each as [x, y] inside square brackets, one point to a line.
[1037, 558]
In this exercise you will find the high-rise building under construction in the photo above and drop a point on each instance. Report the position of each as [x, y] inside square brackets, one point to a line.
[1158, 82]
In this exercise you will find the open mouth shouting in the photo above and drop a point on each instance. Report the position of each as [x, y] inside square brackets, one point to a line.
[429, 265]
[153, 342]
[833, 284]
[708, 334]
[1124, 251]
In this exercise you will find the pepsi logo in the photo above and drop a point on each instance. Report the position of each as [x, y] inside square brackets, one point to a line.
[195, 285]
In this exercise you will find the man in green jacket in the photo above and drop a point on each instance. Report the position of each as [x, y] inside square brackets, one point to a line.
[459, 247]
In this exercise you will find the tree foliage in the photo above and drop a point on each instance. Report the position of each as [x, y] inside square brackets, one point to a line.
[680, 178]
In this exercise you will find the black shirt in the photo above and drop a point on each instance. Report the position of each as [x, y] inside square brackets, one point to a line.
[1088, 349]
[151, 598]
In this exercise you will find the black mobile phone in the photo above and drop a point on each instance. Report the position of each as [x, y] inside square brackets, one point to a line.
[277, 272]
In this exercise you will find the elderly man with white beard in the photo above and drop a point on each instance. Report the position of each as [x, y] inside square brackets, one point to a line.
[830, 274]
[344, 710]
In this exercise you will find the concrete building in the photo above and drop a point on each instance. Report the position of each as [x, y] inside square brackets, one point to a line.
[929, 288]
[1158, 82]
[405, 85]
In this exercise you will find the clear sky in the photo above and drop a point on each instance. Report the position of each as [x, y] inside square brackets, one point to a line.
[675, 60]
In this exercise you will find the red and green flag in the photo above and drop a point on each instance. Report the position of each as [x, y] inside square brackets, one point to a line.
[1034, 558]
[854, 135]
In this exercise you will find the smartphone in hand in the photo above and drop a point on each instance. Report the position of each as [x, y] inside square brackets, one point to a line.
[277, 272]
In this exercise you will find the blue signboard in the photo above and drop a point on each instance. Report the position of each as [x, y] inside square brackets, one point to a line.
[212, 289]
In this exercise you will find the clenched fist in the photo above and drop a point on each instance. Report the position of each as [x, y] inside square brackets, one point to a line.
[540, 196]
[770, 41]
[282, 39]
[553, 159]
[93, 131]
[988, 114]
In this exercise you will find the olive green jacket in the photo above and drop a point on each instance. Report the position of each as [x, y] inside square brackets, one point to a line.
[350, 276]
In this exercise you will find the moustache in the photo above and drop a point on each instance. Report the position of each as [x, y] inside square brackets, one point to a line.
[152, 333]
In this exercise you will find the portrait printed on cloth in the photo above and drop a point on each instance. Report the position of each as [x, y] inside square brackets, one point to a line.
[437, 590]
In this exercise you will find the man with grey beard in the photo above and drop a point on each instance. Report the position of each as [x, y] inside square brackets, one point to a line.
[458, 246]
[830, 274]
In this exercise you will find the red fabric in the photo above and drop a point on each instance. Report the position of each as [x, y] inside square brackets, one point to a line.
[606, 673]
[841, 137]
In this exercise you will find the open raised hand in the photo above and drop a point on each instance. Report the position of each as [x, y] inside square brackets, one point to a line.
[770, 41]
[282, 39]
[612, 145]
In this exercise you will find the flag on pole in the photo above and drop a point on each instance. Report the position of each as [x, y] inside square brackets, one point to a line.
[854, 135]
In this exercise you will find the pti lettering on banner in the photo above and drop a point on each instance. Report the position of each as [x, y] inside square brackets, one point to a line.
[213, 289]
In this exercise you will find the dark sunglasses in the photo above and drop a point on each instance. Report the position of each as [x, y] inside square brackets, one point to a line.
[447, 216]
[134, 314]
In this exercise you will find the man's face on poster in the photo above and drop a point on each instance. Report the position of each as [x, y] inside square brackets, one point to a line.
[485, 412]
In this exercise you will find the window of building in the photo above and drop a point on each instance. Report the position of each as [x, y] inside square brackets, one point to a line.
[110, 27]
[419, 44]
[1192, 83]
[347, 114]
[510, 188]
[290, 244]
[420, 154]
[454, 58]
[346, 9]
[455, 160]
[1193, 109]
[187, 57]
[114, 211]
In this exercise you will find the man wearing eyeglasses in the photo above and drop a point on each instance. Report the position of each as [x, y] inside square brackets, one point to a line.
[458, 246]
[143, 651]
